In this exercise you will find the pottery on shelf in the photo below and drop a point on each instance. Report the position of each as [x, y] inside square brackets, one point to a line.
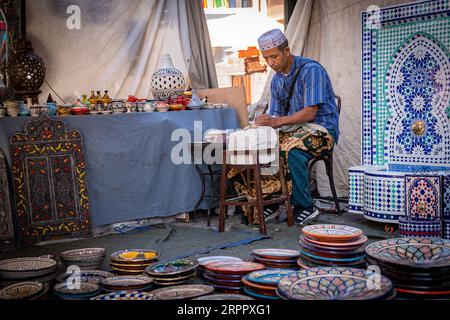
[149, 106]
[167, 80]
[162, 106]
[2, 112]
[12, 107]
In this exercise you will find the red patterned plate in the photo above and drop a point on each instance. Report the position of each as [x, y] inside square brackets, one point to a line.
[307, 242]
[231, 267]
[332, 232]
[425, 293]
[332, 245]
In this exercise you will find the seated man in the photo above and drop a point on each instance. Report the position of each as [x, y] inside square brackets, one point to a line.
[303, 106]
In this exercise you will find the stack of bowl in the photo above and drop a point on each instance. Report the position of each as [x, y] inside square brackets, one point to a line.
[172, 273]
[90, 276]
[277, 258]
[82, 291]
[29, 268]
[29, 290]
[335, 283]
[126, 283]
[85, 259]
[226, 276]
[133, 261]
[419, 267]
[205, 260]
[263, 284]
[332, 245]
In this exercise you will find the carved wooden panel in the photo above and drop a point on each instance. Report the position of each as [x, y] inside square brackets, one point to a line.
[50, 182]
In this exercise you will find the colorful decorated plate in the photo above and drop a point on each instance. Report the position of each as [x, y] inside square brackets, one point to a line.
[277, 254]
[423, 253]
[267, 277]
[324, 263]
[125, 295]
[182, 292]
[91, 276]
[224, 276]
[333, 245]
[205, 260]
[172, 268]
[223, 296]
[324, 283]
[208, 276]
[124, 282]
[30, 267]
[84, 288]
[23, 290]
[326, 247]
[332, 232]
[234, 267]
[173, 278]
[134, 256]
[320, 258]
[83, 254]
[264, 261]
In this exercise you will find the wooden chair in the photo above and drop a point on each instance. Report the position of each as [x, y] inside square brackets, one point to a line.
[327, 159]
[233, 96]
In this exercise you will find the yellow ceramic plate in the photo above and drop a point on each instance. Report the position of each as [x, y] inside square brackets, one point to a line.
[135, 255]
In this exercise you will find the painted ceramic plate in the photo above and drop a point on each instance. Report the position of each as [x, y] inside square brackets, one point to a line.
[173, 278]
[229, 297]
[23, 268]
[332, 232]
[85, 288]
[135, 256]
[172, 268]
[421, 253]
[324, 283]
[128, 272]
[320, 258]
[23, 290]
[126, 281]
[259, 295]
[83, 254]
[331, 253]
[332, 245]
[182, 292]
[324, 263]
[91, 276]
[234, 267]
[125, 295]
[267, 277]
[277, 254]
[204, 260]
[264, 260]
[308, 242]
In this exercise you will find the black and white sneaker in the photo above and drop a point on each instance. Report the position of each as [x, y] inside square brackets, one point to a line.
[271, 211]
[302, 215]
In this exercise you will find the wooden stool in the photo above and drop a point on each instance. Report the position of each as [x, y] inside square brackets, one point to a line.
[258, 203]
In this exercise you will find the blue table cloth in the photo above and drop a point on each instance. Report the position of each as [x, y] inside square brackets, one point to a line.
[130, 172]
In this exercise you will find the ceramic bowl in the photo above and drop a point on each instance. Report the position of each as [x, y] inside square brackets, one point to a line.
[22, 290]
[25, 268]
[12, 108]
[36, 111]
[83, 254]
[80, 111]
[64, 110]
[162, 106]
[176, 107]
[149, 106]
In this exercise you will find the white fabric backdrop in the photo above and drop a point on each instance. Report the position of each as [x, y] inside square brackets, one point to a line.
[329, 31]
[117, 48]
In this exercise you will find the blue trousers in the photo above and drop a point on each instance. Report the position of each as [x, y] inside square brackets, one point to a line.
[301, 187]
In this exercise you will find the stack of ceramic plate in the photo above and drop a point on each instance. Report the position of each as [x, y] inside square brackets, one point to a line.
[205, 260]
[29, 290]
[226, 276]
[332, 245]
[172, 273]
[85, 259]
[91, 276]
[224, 296]
[133, 261]
[335, 283]
[76, 291]
[125, 295]
[126, 283]
[184, 292]
[263, 284]
[277, 258]
[28, 268]
[419, 267]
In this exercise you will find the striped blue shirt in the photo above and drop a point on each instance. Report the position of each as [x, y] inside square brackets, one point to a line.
[313, 87]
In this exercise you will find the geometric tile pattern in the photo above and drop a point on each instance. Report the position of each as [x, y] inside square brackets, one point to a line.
[446, 229]
[384, 196]
[446, 197]
[423, 198]
[406, 84]
[356, 190]
[423, 229]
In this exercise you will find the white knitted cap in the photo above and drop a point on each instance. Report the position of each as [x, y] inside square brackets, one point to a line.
[271, 39]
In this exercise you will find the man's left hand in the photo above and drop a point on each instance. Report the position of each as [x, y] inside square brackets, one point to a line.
[268, 121]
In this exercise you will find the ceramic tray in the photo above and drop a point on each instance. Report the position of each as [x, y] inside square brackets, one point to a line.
[332, 232]
[234, 267]
[182, 292]
[276, 254]
[135, 256]
[229, 297]
[421, 253]
[125, 295]
[172, 268]
[333, 284]
[23, 290]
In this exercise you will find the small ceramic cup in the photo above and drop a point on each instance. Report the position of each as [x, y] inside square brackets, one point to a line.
[162, 106]
[149, 106]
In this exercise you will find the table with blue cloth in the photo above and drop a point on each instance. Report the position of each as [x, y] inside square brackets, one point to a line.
[129, 168]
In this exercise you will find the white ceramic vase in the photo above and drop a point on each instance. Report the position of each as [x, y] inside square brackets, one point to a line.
[167, 80]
